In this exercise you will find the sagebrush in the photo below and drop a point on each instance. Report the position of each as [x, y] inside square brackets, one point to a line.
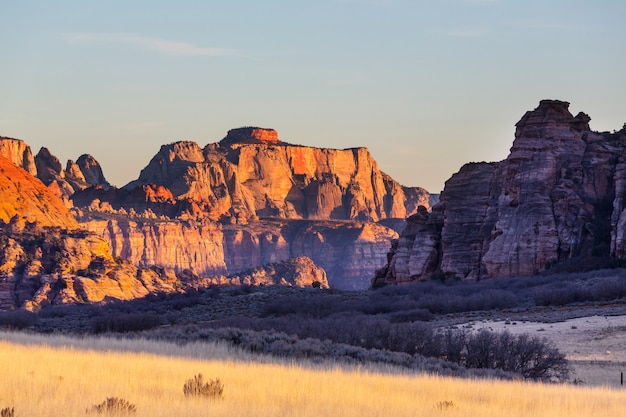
[7, 412]
[113, 406]
[197, 387]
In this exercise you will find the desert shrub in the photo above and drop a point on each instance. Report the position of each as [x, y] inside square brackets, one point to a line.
[416, 314]
[7, 412]
[444, 405]
[18, 319]
[123, 323]
[196, 387]
[413, 338]
[559, 294]
[530, 356]
[608, 289]
[113, 406]
[296, 304]
[464, 298]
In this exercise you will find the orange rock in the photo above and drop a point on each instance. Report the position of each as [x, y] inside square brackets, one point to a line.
[28, 198]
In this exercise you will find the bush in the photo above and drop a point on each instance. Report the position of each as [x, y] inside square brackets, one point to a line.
[7, 412]
[18, 319]
[123, 323]
[530, 356]
[113, 406]
[196, 387]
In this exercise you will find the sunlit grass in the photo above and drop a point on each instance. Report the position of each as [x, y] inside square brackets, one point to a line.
[64, 377]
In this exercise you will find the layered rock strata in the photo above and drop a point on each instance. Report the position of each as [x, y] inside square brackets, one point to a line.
[52, 266]
[349, 252]
[559, 196]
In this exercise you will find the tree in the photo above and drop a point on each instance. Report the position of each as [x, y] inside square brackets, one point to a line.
[530, 356]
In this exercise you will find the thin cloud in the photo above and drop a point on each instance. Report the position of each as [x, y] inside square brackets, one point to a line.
[153, 44]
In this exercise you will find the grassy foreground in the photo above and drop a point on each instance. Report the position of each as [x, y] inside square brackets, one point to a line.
[63, 377]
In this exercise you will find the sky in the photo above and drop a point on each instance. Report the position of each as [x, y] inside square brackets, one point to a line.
[426, 85]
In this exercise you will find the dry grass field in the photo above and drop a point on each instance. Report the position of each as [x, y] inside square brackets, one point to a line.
[64, 377]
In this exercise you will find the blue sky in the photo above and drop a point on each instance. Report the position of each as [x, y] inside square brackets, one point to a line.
[425, 85]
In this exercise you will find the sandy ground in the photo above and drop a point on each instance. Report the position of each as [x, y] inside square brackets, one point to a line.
[595, 345]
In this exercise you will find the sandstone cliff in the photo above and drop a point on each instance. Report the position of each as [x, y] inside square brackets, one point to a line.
[76, 176]
[46, 259]
[271, 200]
[251, 174]
[298, 272]
[52, 266]
[79, 175]
[19, 153]
[26, 199]
[558, 197]
[349, 251]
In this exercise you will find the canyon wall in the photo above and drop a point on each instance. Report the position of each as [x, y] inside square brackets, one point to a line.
[558, 197]
[349, 252]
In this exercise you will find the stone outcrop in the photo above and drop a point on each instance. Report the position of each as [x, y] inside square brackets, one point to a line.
[90, 171]
[296, 272]
[558, 197]
[19, 153]
[252, 174]
[26, 200]
[76, 176]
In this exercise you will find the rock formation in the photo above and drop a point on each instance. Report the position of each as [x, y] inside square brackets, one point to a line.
[45, 258]
[26, 199]
[298, 272]
[248, 200]
[272, 201]
[52, 266]
[19, 153]
[79, 175]
[559, 196]
[349, 252]
[76, 176]
[251, 174]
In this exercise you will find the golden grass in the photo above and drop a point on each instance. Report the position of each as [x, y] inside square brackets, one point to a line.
[62, 377]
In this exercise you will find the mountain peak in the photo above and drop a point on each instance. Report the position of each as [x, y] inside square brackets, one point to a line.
[251, 135]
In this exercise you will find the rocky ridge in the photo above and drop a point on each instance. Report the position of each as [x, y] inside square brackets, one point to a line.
[558, 197]
[252, 174]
